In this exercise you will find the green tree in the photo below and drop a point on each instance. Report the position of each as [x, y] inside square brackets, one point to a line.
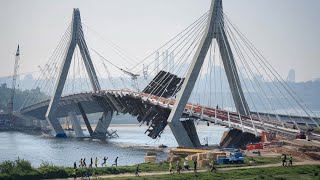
[35, 95]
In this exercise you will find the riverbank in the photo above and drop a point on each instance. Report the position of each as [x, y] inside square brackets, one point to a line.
[309, 172]
[21, 169]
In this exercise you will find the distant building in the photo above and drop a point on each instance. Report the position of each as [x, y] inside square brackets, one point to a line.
[291, 76]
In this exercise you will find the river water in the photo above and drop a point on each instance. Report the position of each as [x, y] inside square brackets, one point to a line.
[130, 147]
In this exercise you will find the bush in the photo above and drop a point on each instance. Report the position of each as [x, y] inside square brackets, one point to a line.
[18, 169]
[45, 164]
[7, 167]
[53, 172]
[23, 165]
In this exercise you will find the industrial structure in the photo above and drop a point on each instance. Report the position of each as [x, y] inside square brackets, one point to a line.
[165, 99]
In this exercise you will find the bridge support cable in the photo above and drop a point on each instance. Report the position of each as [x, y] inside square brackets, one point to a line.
[110, 78]
[179, 69]
[96, 67]
[271, 90]
[41, 82]
[195, 68]
[180, 64]
[41, 79]
[178, 38]
[244, 82]
[123, 54]
[190, 38]
[269, 67]
[48, 86]
[133, 76]
[87, 60]
[264, 80]
[193, 45]
[240, 55]
[182, 41]
[231, 71]
[77, 38]
[182, 33]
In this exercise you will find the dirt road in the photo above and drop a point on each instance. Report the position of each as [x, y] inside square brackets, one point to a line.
[143, 174]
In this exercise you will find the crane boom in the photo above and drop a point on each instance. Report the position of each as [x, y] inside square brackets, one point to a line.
[14, 79]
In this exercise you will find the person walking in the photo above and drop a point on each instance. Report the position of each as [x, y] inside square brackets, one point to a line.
[80, 163]
[115, 162]
[84, 162]
[178, 167]
[74, 165]
[290, 160]
[195, 166]
[170, 168]
[96, 162]
[91, 163]
[186, 165]
[212, 166]
[284, 159]
[104, 162]
[137, 171]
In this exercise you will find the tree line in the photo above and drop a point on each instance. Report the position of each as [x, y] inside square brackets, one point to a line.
[19, 97]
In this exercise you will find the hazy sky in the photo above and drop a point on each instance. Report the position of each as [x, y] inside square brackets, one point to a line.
[286, 31]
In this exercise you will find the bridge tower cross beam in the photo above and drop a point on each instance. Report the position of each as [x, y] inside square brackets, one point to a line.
[77, 38]
[214, 30]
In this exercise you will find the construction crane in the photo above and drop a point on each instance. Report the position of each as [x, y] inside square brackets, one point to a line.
[14, 79]
[133, 76]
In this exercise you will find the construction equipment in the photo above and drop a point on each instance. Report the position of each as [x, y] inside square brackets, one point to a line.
[14, 79]
[233, 158]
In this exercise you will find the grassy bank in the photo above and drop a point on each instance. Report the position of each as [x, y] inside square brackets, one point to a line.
[307, 172]
[22, 169]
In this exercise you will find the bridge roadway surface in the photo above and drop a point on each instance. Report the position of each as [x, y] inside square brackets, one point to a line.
[140, 104]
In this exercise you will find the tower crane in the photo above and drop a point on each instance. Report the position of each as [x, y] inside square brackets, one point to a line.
[14, 79]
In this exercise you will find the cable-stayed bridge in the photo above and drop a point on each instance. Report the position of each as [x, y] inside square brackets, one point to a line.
[183, 85]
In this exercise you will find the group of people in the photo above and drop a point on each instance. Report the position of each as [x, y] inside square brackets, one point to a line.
[82, 162]
[286, 160]
[187, 167]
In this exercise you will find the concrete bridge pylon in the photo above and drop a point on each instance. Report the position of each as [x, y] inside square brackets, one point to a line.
[77, 38]
[186, 135]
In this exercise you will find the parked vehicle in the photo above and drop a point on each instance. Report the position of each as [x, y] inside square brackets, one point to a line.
[233, 158]
[236, 157]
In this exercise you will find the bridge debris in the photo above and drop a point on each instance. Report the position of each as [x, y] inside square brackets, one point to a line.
[171, 82]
